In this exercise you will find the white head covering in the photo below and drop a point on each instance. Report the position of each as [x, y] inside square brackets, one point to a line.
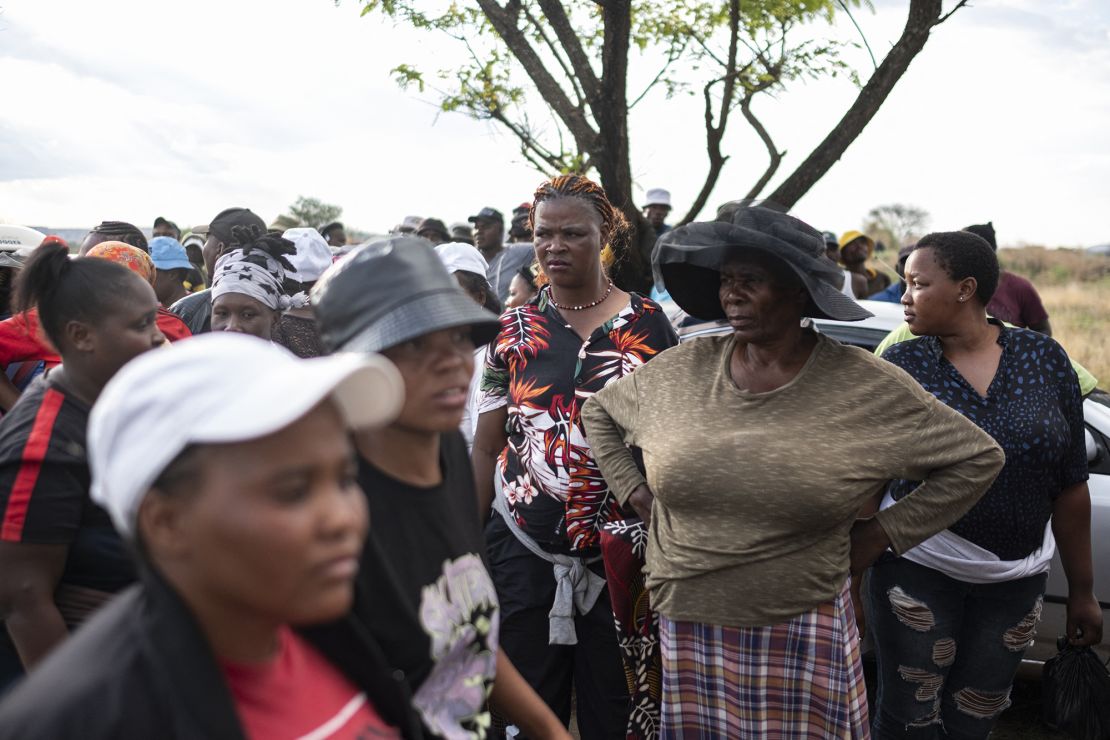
[140, 424]
[657, 197]
[14, 238]
[457, 256]
[255, 274]
[313, 256]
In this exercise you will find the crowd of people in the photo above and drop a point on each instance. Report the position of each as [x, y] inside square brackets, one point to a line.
[457, 482]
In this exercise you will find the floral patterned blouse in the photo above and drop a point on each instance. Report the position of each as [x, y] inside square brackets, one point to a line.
[544, 372]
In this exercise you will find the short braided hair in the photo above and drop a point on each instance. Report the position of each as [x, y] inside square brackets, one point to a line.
[577, 186]
[121, 231]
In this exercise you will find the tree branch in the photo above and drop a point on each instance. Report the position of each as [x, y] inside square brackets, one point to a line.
[923, 15]
[844, 6]
[529, 147]
[772, 150]
[503, 20]
[948, 15]
[578, 92]
[568, 37]
[671, 58]
[714, 133]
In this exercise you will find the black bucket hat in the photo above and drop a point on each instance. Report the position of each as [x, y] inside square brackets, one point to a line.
[688, 259]
[390, 291]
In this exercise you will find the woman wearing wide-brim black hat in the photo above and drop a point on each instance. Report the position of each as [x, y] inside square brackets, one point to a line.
[760, 448]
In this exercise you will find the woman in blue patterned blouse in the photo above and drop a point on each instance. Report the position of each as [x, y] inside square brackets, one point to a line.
[953, 617]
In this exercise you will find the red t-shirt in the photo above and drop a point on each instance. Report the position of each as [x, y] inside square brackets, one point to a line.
[299, 694]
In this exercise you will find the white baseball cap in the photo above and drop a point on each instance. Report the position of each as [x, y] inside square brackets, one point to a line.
[658, 197]
[219, 388]
[313, 256]
[14, 238]
[457, 256]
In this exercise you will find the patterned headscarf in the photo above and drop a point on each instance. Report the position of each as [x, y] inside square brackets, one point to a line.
[133, 258]
[257, 274]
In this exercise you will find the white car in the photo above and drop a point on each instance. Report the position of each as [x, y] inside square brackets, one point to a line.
[1096, 416]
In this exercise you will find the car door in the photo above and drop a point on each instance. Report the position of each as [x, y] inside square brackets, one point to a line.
[1096, 415]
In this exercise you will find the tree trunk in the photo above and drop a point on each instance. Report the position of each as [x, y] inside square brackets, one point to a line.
[611, 154]
[923, 15]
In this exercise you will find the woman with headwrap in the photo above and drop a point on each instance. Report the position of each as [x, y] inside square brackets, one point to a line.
[140, 263]
[249, 289]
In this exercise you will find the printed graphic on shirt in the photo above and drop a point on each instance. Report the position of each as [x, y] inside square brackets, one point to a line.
[460, 614]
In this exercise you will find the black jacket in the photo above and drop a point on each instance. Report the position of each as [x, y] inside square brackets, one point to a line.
[141, 668]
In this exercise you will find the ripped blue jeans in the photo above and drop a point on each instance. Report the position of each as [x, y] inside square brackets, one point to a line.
[947, 650]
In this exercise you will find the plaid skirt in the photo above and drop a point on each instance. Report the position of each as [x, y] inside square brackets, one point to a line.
[797, 679]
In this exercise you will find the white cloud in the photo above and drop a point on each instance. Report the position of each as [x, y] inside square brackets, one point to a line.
[137, 108]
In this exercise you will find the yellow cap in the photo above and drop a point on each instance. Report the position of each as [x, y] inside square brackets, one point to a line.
[851, 236]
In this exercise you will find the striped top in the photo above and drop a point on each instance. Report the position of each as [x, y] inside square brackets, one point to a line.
[44, 496]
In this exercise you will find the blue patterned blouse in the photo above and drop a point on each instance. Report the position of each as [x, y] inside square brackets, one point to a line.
[1034, 411]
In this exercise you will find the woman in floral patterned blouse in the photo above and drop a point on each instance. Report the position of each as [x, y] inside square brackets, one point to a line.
[533, 462]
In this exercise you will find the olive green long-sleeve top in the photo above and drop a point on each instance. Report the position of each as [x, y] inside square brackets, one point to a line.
[756, 493]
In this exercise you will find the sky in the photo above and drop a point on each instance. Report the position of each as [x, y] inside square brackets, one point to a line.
[132, 109]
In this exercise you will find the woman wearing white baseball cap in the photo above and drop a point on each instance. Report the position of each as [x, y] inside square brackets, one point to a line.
[248, 526]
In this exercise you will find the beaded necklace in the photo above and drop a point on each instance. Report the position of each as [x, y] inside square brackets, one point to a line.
[598, 302]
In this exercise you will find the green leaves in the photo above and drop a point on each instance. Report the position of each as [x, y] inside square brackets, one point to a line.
[407, 76]
[682, 46]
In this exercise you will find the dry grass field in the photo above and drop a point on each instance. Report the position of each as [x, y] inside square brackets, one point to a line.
[1080, 316]
[1075, 288]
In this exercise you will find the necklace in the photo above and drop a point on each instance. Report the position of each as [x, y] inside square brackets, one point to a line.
[598, 302]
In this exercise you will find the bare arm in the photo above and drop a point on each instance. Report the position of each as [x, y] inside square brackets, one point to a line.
[489, 440]
[859, 285]
[29, 574]
[1071, 523]
[516, 701]
[607, 417]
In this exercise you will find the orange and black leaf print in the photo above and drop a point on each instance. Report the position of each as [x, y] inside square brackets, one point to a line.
[541, 369]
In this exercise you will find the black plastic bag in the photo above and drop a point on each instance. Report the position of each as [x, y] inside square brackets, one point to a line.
[1075, 690]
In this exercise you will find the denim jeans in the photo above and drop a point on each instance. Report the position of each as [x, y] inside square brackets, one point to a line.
[947, 650]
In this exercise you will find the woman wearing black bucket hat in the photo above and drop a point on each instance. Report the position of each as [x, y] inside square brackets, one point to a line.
[760, 449]
[395, 297]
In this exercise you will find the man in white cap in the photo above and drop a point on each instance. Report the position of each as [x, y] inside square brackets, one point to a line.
[656, 208]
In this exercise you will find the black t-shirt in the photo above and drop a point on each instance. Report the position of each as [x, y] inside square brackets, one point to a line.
[44, 499]
[431, 540]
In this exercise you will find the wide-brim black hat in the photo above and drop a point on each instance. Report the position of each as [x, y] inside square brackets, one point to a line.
[390, 291]
[688, 260]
